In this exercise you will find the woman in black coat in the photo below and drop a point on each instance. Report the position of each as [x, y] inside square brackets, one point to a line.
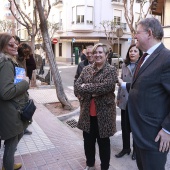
[26, 56]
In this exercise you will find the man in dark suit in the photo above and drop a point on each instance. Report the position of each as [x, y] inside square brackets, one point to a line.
[89, 60]
[149, 98]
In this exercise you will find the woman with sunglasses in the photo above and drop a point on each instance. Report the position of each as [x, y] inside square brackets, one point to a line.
[13, 96]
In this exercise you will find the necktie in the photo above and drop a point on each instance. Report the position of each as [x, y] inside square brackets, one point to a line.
[140, 63]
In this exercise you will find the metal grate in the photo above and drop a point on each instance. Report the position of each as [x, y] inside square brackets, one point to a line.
[72, 123]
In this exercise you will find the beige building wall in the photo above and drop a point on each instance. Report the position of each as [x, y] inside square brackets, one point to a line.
[166, 39]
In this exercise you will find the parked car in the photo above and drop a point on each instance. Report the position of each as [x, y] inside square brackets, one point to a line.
[117, 61]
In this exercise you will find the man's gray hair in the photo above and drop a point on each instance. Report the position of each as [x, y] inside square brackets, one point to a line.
[154, 25]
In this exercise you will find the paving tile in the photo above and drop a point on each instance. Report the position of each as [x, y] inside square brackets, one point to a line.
[53, 146]
[42, 95]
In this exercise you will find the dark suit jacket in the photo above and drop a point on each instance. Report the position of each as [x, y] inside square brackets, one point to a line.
[80, 67]
[149, 99]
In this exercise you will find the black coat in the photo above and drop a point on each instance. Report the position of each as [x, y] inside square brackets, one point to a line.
[149, 99]
[80, 67]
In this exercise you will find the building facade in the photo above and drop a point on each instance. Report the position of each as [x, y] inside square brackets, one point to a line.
[7, 21]
[79, 25]
[161, 9]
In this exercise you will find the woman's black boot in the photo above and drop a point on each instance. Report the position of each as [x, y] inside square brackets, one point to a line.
[123, 152]
[134, 155]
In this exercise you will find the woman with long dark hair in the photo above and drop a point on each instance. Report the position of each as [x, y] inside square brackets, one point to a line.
[128, 68]
[13, 98]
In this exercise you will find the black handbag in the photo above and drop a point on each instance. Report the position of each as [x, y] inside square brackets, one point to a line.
[28, 111]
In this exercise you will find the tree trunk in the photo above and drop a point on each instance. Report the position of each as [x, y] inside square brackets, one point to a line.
[53, 65]
[33, 44]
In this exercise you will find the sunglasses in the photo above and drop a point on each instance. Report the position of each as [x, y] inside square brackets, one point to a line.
[12, 45]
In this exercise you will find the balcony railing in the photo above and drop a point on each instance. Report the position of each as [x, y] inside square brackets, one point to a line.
[119, 25]
[117, 1]
[59, 26]
[123, 26]
[57, 2]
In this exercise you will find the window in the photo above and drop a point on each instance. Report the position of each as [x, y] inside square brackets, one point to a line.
[8, 14]
[117, 20]
[25, 34]
[7, 5]
[80, 14]
[60, 17]
[60, 49]
[116, 0]
[137, 16]
[138, 1]
[73, 15]
[117, 17]
[89, 15]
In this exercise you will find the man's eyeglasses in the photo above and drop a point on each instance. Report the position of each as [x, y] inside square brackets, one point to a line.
[12, 45]
[138, 32]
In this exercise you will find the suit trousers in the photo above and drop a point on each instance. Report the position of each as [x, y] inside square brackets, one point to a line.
[150, 160]
[125, 125]
[89, 145]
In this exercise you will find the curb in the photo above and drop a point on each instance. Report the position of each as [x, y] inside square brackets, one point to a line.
[68, 115]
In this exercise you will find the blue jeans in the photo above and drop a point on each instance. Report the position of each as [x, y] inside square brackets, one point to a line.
[10, 148]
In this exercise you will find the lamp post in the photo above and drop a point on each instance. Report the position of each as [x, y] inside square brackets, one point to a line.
[73, 40]
[119, 33]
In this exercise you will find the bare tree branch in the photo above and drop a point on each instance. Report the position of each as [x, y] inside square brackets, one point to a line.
[109, 30]
[129, 13]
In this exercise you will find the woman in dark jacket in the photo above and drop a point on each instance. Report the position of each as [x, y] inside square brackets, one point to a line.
[26, 56]
[128, 68]
[95, 89]
[13, 97]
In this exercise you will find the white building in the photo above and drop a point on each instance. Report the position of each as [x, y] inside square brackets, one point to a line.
[79, 24]
[6, 17]
[80, 20]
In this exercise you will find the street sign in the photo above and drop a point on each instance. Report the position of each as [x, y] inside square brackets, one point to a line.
[119, 32]
[55, 41]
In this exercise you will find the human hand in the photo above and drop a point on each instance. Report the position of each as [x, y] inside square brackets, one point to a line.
[26, 78]
[120, 81]
[164, 140]
[117, 102]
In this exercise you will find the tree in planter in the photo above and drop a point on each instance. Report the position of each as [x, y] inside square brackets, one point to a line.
[33, 26]
[129, 13]
[50, 55]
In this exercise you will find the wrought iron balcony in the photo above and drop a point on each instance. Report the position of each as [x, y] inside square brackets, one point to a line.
[119, 25]
[117, 2]
[58, 3]
[59, 26]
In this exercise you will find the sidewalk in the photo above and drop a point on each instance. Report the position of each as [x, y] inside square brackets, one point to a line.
[54, 146]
